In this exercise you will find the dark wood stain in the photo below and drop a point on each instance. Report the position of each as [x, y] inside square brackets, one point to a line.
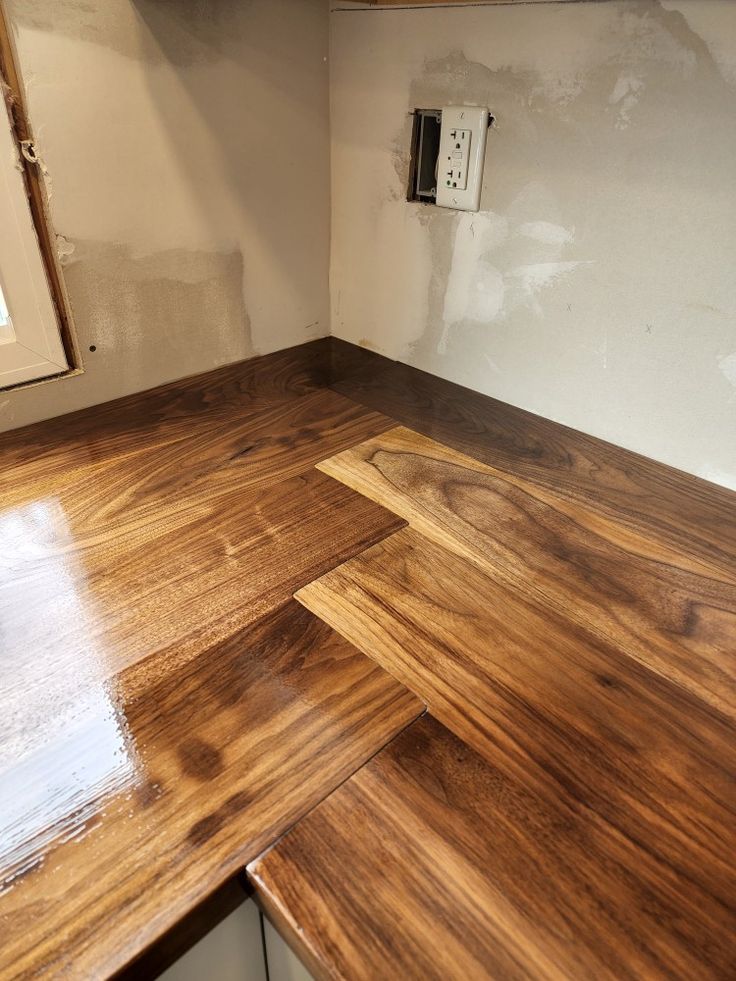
[674, 613]
[566, 608]
[650, 498]
[311, 710]
[199, 759]
[591, 668]
[168, 710]
[166, 413]
[513, 678]
[434, 861]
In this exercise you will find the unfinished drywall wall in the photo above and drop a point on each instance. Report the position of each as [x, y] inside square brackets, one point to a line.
[185, 145]
[596, 286]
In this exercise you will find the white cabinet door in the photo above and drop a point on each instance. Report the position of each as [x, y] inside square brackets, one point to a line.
[30, 344]
[283, 964]
[232, 951]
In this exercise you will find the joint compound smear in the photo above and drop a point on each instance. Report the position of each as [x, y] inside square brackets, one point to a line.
[595, 285]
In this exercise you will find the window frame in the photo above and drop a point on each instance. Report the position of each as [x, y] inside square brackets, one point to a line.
[50, 351]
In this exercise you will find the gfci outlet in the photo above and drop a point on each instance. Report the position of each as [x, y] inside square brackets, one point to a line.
[460, 160]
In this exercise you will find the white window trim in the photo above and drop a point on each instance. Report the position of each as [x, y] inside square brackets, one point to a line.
[30, 345]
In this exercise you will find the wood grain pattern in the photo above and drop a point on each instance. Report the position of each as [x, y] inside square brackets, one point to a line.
[656, 501]
[435, 862]
[674, 613]
[575, 717]
[234, 451]
[167, 412]
[175, 546]
[166, 783]
[79, 604]
[592, 671]
[166, 708]
[168, 711]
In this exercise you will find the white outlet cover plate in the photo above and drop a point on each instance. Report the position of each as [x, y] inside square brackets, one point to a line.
[475, 119]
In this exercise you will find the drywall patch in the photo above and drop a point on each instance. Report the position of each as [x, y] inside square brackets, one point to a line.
[157, 316]
[401, 159]
[454, 79]
[475, 287]
[715, 24]
[625, 95]
[534, 276]
[547, 232]
[727, 366]
[64, 249]
[648, 58]
[497, 261]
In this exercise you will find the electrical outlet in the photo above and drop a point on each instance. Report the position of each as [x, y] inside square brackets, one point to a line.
[461, 157]
[456, 159]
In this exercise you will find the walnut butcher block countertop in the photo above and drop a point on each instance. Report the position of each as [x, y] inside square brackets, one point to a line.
[491, 737]
[167, 708]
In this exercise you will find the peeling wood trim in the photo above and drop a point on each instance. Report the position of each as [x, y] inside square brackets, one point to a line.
[12, 88]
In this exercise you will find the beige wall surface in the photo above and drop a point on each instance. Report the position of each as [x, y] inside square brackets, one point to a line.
[185, 146]
[596, 286]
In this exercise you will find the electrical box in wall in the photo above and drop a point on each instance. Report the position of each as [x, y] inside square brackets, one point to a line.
[425, 149]
[462, 152]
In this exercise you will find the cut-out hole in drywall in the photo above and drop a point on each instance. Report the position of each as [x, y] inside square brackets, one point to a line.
[425, 146]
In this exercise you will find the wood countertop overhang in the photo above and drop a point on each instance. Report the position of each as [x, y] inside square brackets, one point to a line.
[172, 714]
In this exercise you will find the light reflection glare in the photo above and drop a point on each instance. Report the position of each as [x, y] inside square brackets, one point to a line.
[4, 315]
[64, 744]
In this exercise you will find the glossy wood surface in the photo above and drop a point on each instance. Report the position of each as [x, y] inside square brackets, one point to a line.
[574, 716]
[593, 669]
[167, 709]
[165, 782]
[673, 612]
[436, 862]
[657, 501]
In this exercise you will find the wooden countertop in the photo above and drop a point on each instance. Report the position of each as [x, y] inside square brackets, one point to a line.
[433, 861]
[578, 819]
[167, 708]
[566, 609]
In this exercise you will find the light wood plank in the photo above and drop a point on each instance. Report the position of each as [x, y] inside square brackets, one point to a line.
[673, 612]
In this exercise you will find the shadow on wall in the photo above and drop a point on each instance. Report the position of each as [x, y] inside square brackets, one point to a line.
[243, 67]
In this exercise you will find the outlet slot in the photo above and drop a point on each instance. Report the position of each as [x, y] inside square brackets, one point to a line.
[425, 148]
